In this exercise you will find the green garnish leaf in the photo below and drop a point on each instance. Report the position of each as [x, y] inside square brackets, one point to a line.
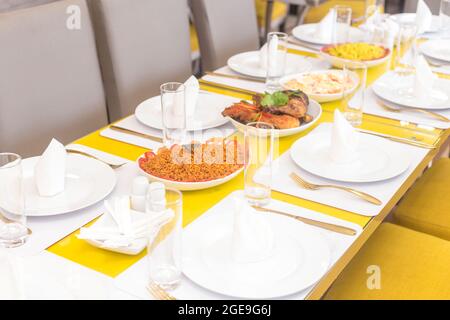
[278, 98]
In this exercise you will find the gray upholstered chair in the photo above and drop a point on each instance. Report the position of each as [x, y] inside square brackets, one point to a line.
[50, 80]
[224, 28]
[142, 44]
[411, 5]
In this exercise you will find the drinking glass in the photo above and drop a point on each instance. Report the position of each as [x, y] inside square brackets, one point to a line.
[353, 100]
[13, 230]
[173, 112]
[164, 250]
[258, 146]
[444, 14]
[374, 6]
[342, 23]
[406, 47]
[277, 45]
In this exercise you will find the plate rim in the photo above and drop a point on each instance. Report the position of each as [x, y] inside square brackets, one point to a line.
[230, 62]
[430, 43]
[301, 226]
[142, 105]
[371, 138]
[310, 25]
[79, 207]
[375, 89]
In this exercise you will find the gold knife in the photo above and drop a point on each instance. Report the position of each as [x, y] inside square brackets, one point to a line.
[399, 139]
[320, 224]
[137, 134]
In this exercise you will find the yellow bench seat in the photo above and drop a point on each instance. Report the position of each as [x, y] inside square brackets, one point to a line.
[411, 265]
[426, 206]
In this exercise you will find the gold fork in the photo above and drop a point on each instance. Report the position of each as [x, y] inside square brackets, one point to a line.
[310, 186]
[158, 292]
[427, 112]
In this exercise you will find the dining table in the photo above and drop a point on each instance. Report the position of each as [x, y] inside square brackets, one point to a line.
[196, 203]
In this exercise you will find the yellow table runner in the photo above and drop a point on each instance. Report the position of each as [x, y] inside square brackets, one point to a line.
[195, 203]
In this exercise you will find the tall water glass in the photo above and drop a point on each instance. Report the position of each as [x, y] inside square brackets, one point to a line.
[13, 230]
[342, 23]
[444, 14]
[277, 45]
[173, 112]
[353, 99]
[258, 146]
[164, 251]
[406, 47]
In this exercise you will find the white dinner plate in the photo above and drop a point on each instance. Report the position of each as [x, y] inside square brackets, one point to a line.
[316, 96]
[208, 113]
[189, 186]
[379, 159]
[411, 18]
[301, 256]
[400, 90]
[247, 63]
[88, 181]
[314, 110]
[308, 33]
[437, 49]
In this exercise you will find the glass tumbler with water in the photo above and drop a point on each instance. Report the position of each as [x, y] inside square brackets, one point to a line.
[258, 146]
[355, 73]
[277, 45]
[173, 112]
[164, 248]
[13, 230]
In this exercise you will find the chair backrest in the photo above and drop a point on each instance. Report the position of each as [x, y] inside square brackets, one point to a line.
[411, 6]
[142, 44]
[224, 29]
[50, 80]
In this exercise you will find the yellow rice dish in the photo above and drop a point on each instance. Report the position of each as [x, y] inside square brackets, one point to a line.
[358, 51]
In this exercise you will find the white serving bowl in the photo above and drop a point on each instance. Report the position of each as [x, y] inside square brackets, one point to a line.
[323, 97]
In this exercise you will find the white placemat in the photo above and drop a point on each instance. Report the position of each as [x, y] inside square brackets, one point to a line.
[135, 278]
[311, 47]
[49, 230]
[383, 190]
[371, 106]
[48, 276]
[132, 123]
[317, 64]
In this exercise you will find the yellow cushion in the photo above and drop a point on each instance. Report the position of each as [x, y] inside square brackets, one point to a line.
[194, 39]
[279, 11]
[315, 14]
[413, 265]
[426, 207]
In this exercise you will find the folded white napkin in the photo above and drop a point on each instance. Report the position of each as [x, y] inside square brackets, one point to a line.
[263, 57]
[344, 140]
[272, 54]
[50, 170]
[325, 27]
[423, 17]
[253, 238]
[125, 226]
[192, 88]
[423, 79]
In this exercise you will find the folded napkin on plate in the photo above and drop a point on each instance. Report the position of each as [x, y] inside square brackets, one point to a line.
[423, 79]
[344, 140]
[325, 27]
[263, 57]
[50, 170]
[423, 17]
[253, 238]
[125, 226]
[192, 88]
